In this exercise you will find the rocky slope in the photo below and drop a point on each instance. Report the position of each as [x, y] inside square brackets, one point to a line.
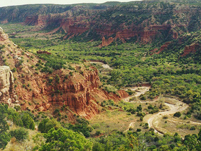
[190, 49]
[78, 89]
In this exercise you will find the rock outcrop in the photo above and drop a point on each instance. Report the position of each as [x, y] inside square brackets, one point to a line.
[190, 49]
[106, 42]
[38, 20]
[43, 52]
[81, 93]
[7, 94]
[3, 36]
[164, 46]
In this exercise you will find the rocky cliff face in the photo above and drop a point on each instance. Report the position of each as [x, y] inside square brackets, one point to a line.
[106, 42]
[7, 92]
[80, 92]
[164, 46]
[3, 36]
[190, 49]
[38, 20]
[119, 22]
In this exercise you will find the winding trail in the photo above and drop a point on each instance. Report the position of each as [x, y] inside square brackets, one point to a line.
[139, 91]
[153, 119]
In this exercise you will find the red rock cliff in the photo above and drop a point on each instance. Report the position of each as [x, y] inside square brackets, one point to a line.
[190, 49]
[80, 92]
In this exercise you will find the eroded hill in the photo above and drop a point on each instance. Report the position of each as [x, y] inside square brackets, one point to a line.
[77, 86]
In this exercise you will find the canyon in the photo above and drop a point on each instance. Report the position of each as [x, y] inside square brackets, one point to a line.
[80, 91]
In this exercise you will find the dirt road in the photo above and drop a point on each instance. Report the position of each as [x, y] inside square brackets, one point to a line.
[153, 120]
[139, 91]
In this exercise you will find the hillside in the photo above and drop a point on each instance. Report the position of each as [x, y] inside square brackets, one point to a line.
[75, 86]
[137, 21]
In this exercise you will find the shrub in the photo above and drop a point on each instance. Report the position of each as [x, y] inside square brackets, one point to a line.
[142, 97]
[50, 79]
[14, 70]
[17, 108]
[63, 139]
[27, 120]
[46, 124]
[57, 78]
[177, 114]
[20, 134]
[98, 133]
[192, 128]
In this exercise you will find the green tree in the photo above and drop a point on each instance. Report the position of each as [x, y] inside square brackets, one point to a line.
[65, 140]
[4, 136]
[46, 124]
[28, 121]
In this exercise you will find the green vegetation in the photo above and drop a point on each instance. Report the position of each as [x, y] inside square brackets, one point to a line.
[63, 139]
[46, 124]
[70, 137]
[20, 134]
[4, 137]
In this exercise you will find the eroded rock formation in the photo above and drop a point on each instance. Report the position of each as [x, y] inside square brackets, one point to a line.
[164, 46]
[190, 49]
[106, 42]
[81, 93]
[7, 94]
[3, 36]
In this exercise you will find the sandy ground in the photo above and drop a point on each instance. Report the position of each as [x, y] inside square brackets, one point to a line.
[131, 125]
[139, 91]
[152, 120]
